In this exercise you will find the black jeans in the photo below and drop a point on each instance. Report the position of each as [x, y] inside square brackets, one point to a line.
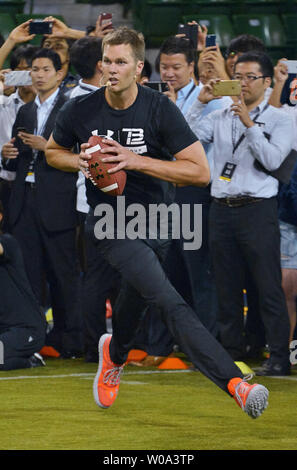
[146, 284]
[249, 236]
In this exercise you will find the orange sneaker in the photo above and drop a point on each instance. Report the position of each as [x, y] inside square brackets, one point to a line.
[107, 381]
[252, 399]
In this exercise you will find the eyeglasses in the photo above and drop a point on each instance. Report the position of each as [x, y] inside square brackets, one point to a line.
[247, 78]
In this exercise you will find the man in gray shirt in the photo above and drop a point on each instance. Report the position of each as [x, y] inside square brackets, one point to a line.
[243, 217]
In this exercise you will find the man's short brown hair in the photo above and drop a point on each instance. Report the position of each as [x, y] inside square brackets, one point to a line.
[124, 35]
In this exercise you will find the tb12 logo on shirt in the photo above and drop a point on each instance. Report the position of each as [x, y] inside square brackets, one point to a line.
[135, 140]
[131, 138]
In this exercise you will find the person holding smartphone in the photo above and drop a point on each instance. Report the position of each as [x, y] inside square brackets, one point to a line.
[224, 66]
[20, 60]
[175, 63]
[43, 216]
[243, 219]
[190, 271]
[61, 40]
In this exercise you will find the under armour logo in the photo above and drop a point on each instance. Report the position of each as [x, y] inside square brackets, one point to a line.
[95, 167]
[109, 134]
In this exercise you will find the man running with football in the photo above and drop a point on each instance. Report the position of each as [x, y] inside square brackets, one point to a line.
[148, 138]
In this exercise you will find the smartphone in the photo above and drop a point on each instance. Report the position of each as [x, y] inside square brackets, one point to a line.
[182, 29]
[227, 88]
[40, 27]
[291, 64]
[159, 86]
[191, 33]
[210, 40]
[18, 78]
[22, 129]
[105, 19]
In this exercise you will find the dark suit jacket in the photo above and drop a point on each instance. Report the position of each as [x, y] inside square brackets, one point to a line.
[55, 189]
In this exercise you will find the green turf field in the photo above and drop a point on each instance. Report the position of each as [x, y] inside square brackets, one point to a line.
[52, 408]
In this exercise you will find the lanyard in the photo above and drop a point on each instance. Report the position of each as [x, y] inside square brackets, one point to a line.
[236, 144]
[188, 96]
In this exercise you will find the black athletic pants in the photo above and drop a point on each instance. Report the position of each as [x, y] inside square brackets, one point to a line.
[147, 284]
[17, 345]
[100, 282]
[249, 235]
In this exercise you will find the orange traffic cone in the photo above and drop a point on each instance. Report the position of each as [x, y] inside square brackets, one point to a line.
[136, 355]
[173, 363]
[49, 351]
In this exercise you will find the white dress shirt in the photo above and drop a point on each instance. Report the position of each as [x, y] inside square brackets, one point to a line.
[187, 95]
[223, 129]
[43, 111]
[8, 110]
[208, 108]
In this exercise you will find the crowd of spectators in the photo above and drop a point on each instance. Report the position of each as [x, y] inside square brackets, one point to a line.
[249, 214]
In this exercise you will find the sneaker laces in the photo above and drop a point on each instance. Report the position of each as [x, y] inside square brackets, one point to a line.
[112, 376]
[240, 389]
[248, 377]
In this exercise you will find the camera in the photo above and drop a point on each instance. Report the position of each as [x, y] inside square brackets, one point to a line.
[159, 86]
[41, 27]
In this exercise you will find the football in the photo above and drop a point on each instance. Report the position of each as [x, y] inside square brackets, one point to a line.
[112, 184]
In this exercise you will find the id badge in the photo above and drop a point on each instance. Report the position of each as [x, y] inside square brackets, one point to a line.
[30, 178]
[228, 171]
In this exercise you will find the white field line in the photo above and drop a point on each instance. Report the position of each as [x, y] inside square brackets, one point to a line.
[87, 375]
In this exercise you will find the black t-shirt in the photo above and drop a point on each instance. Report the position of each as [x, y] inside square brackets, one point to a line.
[18, 306]
[151, 126]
